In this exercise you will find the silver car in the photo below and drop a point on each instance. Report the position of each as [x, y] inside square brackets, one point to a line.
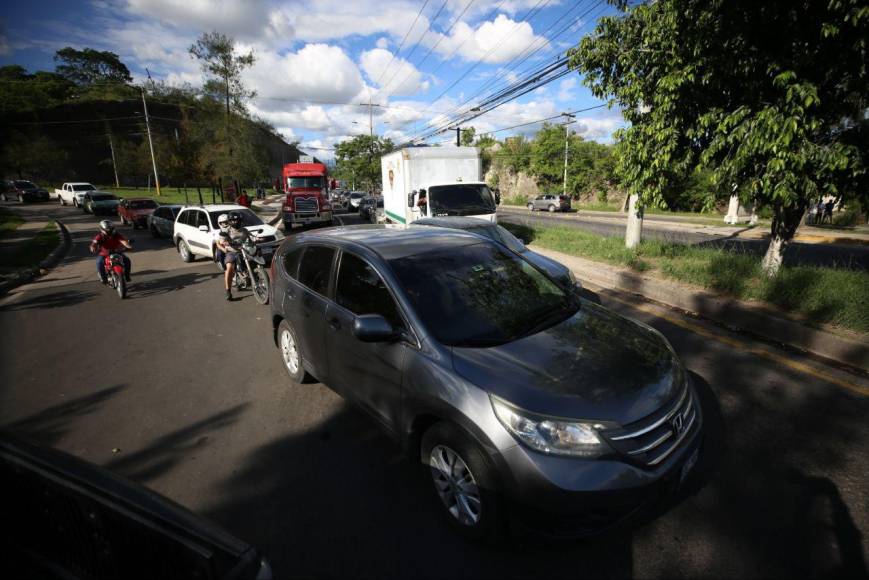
[550, 202]
[162, 221]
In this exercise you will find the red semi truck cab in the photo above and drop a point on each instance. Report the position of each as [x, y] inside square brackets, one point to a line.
[307, 201]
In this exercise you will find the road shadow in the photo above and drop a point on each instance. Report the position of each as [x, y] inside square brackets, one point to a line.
[57, 299]
[164, 285]
[50, 425]
[340, 501]
[168, 450]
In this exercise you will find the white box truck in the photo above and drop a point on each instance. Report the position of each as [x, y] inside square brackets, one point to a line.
[435, 181]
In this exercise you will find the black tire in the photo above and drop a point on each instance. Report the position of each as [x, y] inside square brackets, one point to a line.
[20, 198]
[184, 251]
[299, 375]
[530, 207]
[62, 203]
[261, 285]
[121, 286]
[551, 208]
[3, 197]
[491, 523]
[154, 232]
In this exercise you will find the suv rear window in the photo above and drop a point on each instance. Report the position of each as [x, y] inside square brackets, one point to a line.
[315, 268]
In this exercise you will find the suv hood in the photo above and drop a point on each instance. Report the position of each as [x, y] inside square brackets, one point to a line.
[595, 365]
[261, 230]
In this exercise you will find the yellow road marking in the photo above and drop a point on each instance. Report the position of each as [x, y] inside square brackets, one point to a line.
[697, 329]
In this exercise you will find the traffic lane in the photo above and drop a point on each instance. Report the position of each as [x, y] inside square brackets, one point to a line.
[149, 255]
[189, 388]
[796, 253]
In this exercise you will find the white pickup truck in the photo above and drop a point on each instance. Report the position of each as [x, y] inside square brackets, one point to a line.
[73, 192]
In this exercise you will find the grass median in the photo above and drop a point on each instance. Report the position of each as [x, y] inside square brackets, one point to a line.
[9, 222]
[837, 296]
[30, 253]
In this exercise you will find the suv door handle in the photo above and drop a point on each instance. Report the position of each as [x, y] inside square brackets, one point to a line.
[334, 324]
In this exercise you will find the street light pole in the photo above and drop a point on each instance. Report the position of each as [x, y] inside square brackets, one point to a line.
[566, 142]
[150, 142]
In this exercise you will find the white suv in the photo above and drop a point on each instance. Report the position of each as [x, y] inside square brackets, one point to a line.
[196, 229]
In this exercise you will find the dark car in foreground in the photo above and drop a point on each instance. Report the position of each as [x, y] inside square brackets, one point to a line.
[64, 518]
[501, 235]
[517, 395]
[22, 190]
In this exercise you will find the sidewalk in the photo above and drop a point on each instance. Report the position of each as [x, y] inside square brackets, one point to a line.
[20, 258]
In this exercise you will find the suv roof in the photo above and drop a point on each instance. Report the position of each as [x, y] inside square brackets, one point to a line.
[215, 207]
[392, 241]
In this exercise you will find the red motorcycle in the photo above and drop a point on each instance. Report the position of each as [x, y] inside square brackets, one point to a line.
[115, 274]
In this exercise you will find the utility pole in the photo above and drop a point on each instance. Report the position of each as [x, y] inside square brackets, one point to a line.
[458, 137]
[150, 142]
[566, 145]
[114, 163]
[370, 117]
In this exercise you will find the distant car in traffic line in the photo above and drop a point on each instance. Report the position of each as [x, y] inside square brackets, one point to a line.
[22, 190]
[501, 235]
[72, 193]
[100, 203]
[550, 202]
[354, 199]
[135, 211]
[368, 207]
[515, 394]
[162, 222]
[196, 230]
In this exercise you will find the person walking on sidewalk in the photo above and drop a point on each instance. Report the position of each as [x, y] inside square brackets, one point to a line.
[828, 211]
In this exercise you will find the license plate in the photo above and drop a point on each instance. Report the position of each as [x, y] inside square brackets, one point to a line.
[688, 466]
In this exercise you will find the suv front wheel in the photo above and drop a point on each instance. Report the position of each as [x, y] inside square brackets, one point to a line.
[184, 251]
[464, 482]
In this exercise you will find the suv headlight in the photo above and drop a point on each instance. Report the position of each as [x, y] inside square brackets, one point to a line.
[550, 435]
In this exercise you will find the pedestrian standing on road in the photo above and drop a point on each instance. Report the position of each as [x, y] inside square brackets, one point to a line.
[243, 200]
[828, 211]
[819, 211]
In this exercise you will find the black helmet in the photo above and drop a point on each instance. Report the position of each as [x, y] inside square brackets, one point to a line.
[235, 219]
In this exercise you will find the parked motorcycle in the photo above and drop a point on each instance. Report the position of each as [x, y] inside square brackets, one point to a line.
[115, 273]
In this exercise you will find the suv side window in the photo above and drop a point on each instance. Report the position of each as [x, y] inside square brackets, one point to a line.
[361, 290]
[291, 262]
[200, 219]
[185, 217]
[315, 268]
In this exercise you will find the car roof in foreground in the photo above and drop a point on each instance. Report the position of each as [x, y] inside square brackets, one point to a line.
[393, 241]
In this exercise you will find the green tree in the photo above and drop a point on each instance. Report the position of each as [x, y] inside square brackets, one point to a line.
[547, 156]
[468, 134]
[89, 66]
[358, 160]
[770, 95]
[223, 69]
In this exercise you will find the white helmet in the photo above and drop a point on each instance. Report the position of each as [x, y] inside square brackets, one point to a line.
[107, 227]
[223, 222]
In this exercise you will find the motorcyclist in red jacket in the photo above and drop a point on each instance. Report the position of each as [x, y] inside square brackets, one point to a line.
[108, 241]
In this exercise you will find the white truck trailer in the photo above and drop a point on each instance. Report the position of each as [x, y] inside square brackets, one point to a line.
[435, 181]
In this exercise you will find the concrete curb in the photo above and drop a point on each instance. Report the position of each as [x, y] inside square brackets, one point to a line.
[56, 255]
[756, 319]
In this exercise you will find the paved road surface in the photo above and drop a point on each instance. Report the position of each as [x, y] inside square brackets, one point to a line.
[191, 390]
[853, 256]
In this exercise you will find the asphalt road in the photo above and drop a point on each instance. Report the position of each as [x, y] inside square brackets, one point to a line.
[191, 391]
[796, 253]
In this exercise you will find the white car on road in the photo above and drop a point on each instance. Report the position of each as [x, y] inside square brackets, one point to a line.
[196, 229]
[72, 193]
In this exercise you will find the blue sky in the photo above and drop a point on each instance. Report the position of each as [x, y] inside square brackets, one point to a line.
[317, 60]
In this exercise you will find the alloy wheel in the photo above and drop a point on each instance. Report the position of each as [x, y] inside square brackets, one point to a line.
[289, 352]
[456, 485]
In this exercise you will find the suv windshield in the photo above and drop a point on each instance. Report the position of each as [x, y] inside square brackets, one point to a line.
[460, 200]
[481, 295]
[83, 187]
[248, 218]
[143, 204]
[316, 181]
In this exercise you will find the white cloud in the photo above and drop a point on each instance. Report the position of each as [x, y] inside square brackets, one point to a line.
[318, 73]
[565, 88]
[599, 128]
[382, 42]
[494, 41]
[242, 18]
[394, 76]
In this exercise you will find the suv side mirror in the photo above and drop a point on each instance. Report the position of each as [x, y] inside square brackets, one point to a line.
[203, 228]
[373, 328]
[410, 198]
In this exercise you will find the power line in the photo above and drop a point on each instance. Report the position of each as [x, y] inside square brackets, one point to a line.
[410, 54]
[493, 131]
[406, 34]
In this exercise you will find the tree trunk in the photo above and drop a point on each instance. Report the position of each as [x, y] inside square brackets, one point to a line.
[634, 230]
[785, 221]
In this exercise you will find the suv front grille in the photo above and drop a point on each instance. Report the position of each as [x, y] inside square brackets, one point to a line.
[651, 440]
[307, 205]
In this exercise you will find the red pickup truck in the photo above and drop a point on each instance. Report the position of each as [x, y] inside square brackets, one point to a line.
[135, 211]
